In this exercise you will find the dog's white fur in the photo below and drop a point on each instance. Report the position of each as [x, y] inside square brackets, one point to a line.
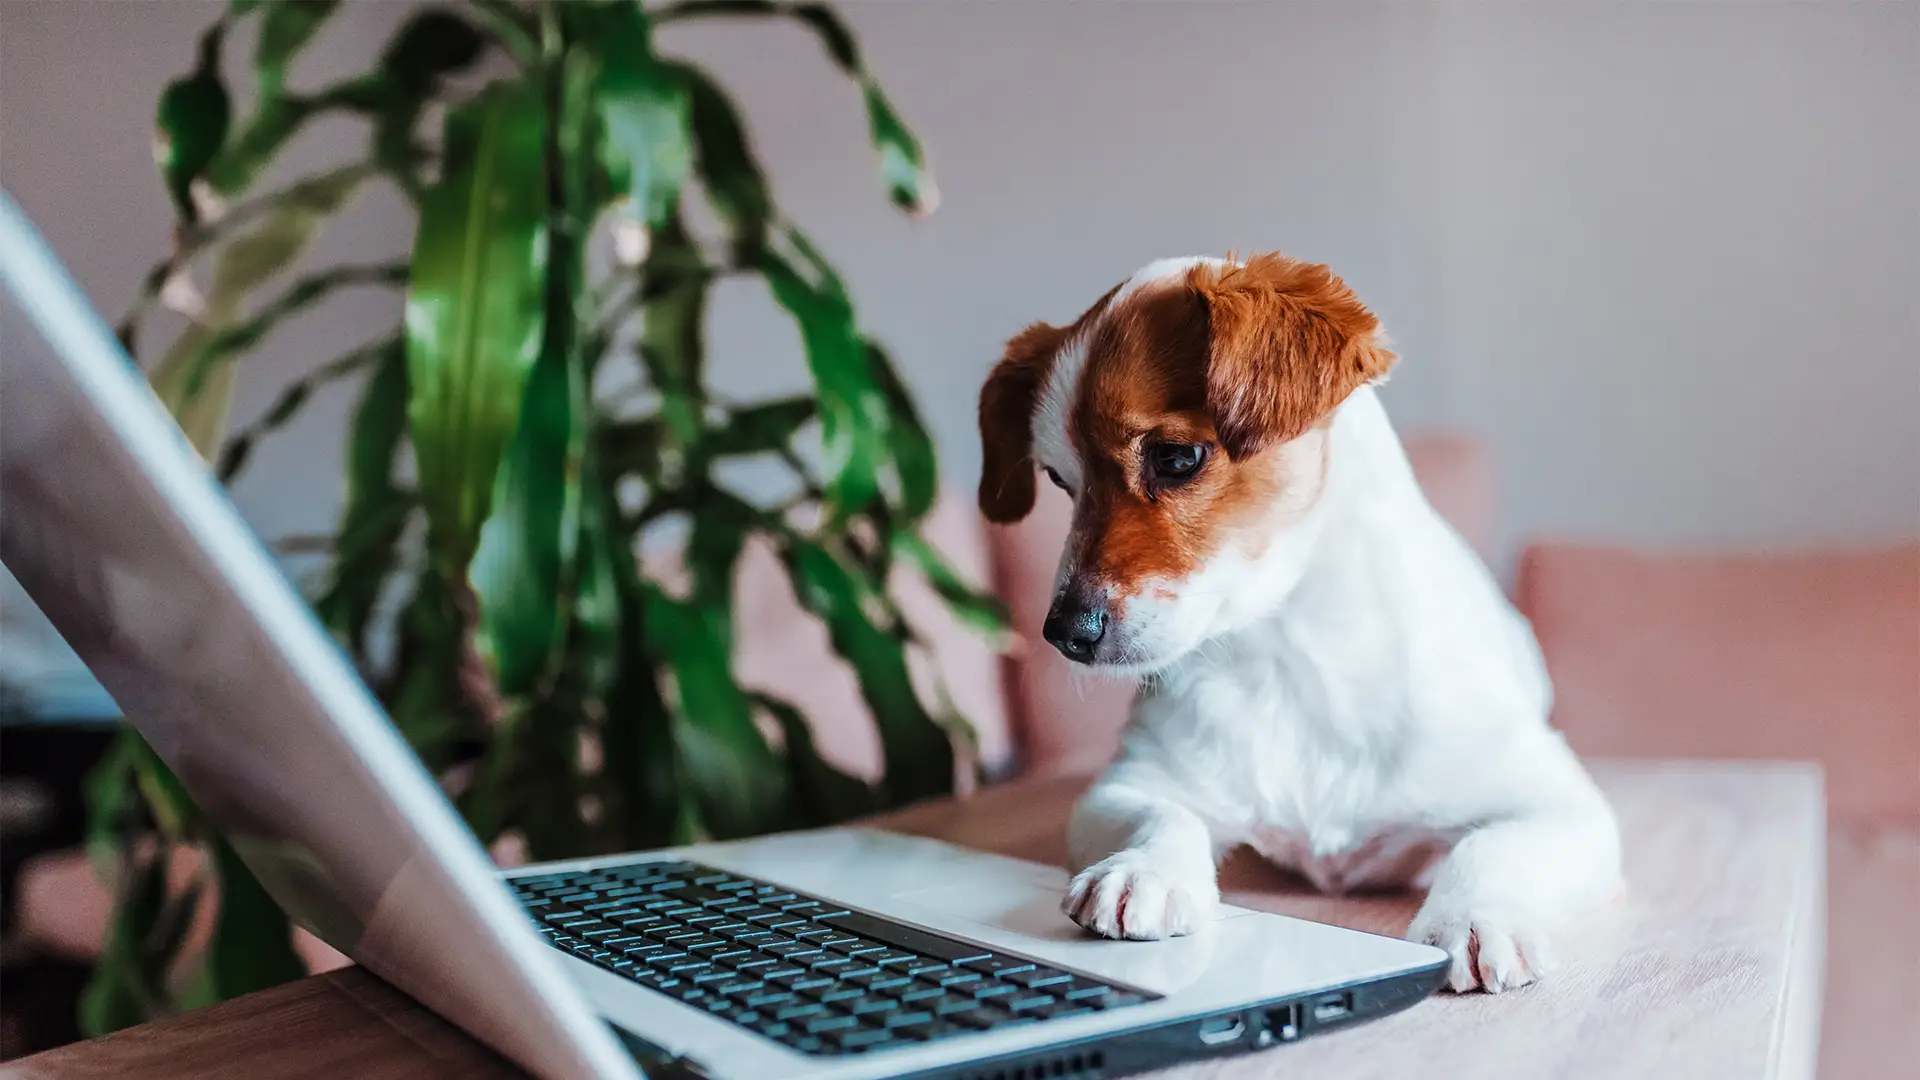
[1348, 692]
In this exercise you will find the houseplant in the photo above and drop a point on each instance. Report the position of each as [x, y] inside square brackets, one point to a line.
[494, 485]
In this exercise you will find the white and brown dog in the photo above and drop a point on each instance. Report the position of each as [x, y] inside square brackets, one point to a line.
[1327, 671]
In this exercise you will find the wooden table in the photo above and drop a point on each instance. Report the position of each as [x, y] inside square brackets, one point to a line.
[1711, 968]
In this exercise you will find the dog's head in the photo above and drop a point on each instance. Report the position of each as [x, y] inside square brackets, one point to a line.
[1186, 415]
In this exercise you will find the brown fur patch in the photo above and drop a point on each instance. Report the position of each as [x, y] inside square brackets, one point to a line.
[1006, 414]
[1145, 384]
[1290, 341]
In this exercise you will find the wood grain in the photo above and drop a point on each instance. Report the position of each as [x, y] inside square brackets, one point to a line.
[1709, 968]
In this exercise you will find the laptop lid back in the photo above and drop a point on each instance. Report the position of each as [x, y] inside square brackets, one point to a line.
[121, 535]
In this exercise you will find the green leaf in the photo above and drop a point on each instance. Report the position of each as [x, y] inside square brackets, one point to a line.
[902, 162]
[853, 407]
[252, 946]
[294, 396]
[433, 45]
[190, 124]
[476, 308]
[724, 162]
[735, 777]
[375, 510]
[527, 546]
[918, 753]
[285, 28]
[910, 448]
[975, 609]
[672, 346]
[822, 794]
[644, 108]
[245, 335]
[199, 398]
[122, 991]
[424, 694]
[240, 8]
[759, 429]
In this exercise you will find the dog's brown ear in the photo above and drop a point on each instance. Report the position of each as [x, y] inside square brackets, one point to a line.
[1287, 342]
[1006, 423]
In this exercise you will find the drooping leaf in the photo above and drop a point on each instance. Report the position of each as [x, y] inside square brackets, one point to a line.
[252, 945]
[853, 408]
[733, 775]
[476, 308]
[644, 108]
[975, 609]
[190, 124]
[902, 162]
[122, 991]
[295, 395]
[910, 448]
[724, 162]
[918, 753]
[433, 45]
[527, 544]
[375, 510]
[822, 794]
[197, 398]
[285, 27]
[762, 428]
[672, 347]
[246, 334]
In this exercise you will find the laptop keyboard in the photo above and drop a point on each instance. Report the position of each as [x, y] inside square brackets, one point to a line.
[794, 968]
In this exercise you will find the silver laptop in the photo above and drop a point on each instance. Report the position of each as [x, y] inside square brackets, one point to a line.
[837, 953]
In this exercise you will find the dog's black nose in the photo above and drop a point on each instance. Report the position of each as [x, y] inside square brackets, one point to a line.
[1075, 625]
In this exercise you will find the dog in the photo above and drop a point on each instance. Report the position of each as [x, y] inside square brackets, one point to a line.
[1327, 672]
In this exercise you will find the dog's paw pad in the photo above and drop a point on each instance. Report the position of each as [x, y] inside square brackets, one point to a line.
[1488, 953]
[1126, 896]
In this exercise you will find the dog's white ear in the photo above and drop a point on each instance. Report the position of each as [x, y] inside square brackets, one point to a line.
[1006, 423]
[1287, 342]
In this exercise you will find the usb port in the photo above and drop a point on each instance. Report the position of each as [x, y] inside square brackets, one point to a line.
[1283, 1025]
[1333, 1008]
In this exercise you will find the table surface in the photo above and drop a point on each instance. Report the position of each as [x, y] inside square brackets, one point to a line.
[1710, 968]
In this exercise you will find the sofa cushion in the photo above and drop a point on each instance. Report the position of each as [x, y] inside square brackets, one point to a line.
[1872, 1009]
[1809, 656]
[1067, 719]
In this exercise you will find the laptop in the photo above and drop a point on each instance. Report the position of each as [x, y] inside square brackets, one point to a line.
[832, 954]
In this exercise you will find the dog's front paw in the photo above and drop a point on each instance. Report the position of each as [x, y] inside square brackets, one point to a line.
[1129, 895]
[1491, 951]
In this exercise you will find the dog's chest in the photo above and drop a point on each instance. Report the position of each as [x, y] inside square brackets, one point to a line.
[1304, 770]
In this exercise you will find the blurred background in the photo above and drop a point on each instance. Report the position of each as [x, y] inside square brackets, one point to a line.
[1653, 272]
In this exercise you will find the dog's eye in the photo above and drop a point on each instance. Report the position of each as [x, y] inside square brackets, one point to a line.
[1175, 461]
[1055, 477]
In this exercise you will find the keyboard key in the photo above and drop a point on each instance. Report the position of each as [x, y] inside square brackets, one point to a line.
[881, 980]
[784, 974]
[919, 993]
[748, 911]
[769, 996]
[982, 991]
[891, 957]
[916, 1016]
[738, 986]
[801, 986]
[862, 1038]
[832, 964]
[816, 934]
[820, 1024]
[926, 968]
[997, 965]
[867, 1005]
[1034, 978]
[791, 950]
[1029, 1002]
[798, 1010]
[958, 978]
[906, 937]
[950, 1003]
[827, 995]
[980, 1016]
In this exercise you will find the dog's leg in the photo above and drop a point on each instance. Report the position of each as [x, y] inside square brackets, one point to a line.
[1510, 885]
[1143, 862]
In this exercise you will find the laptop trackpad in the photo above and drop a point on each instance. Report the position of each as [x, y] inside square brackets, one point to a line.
[1031, 910]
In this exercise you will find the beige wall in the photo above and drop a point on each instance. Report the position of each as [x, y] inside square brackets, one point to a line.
[1664, 257]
